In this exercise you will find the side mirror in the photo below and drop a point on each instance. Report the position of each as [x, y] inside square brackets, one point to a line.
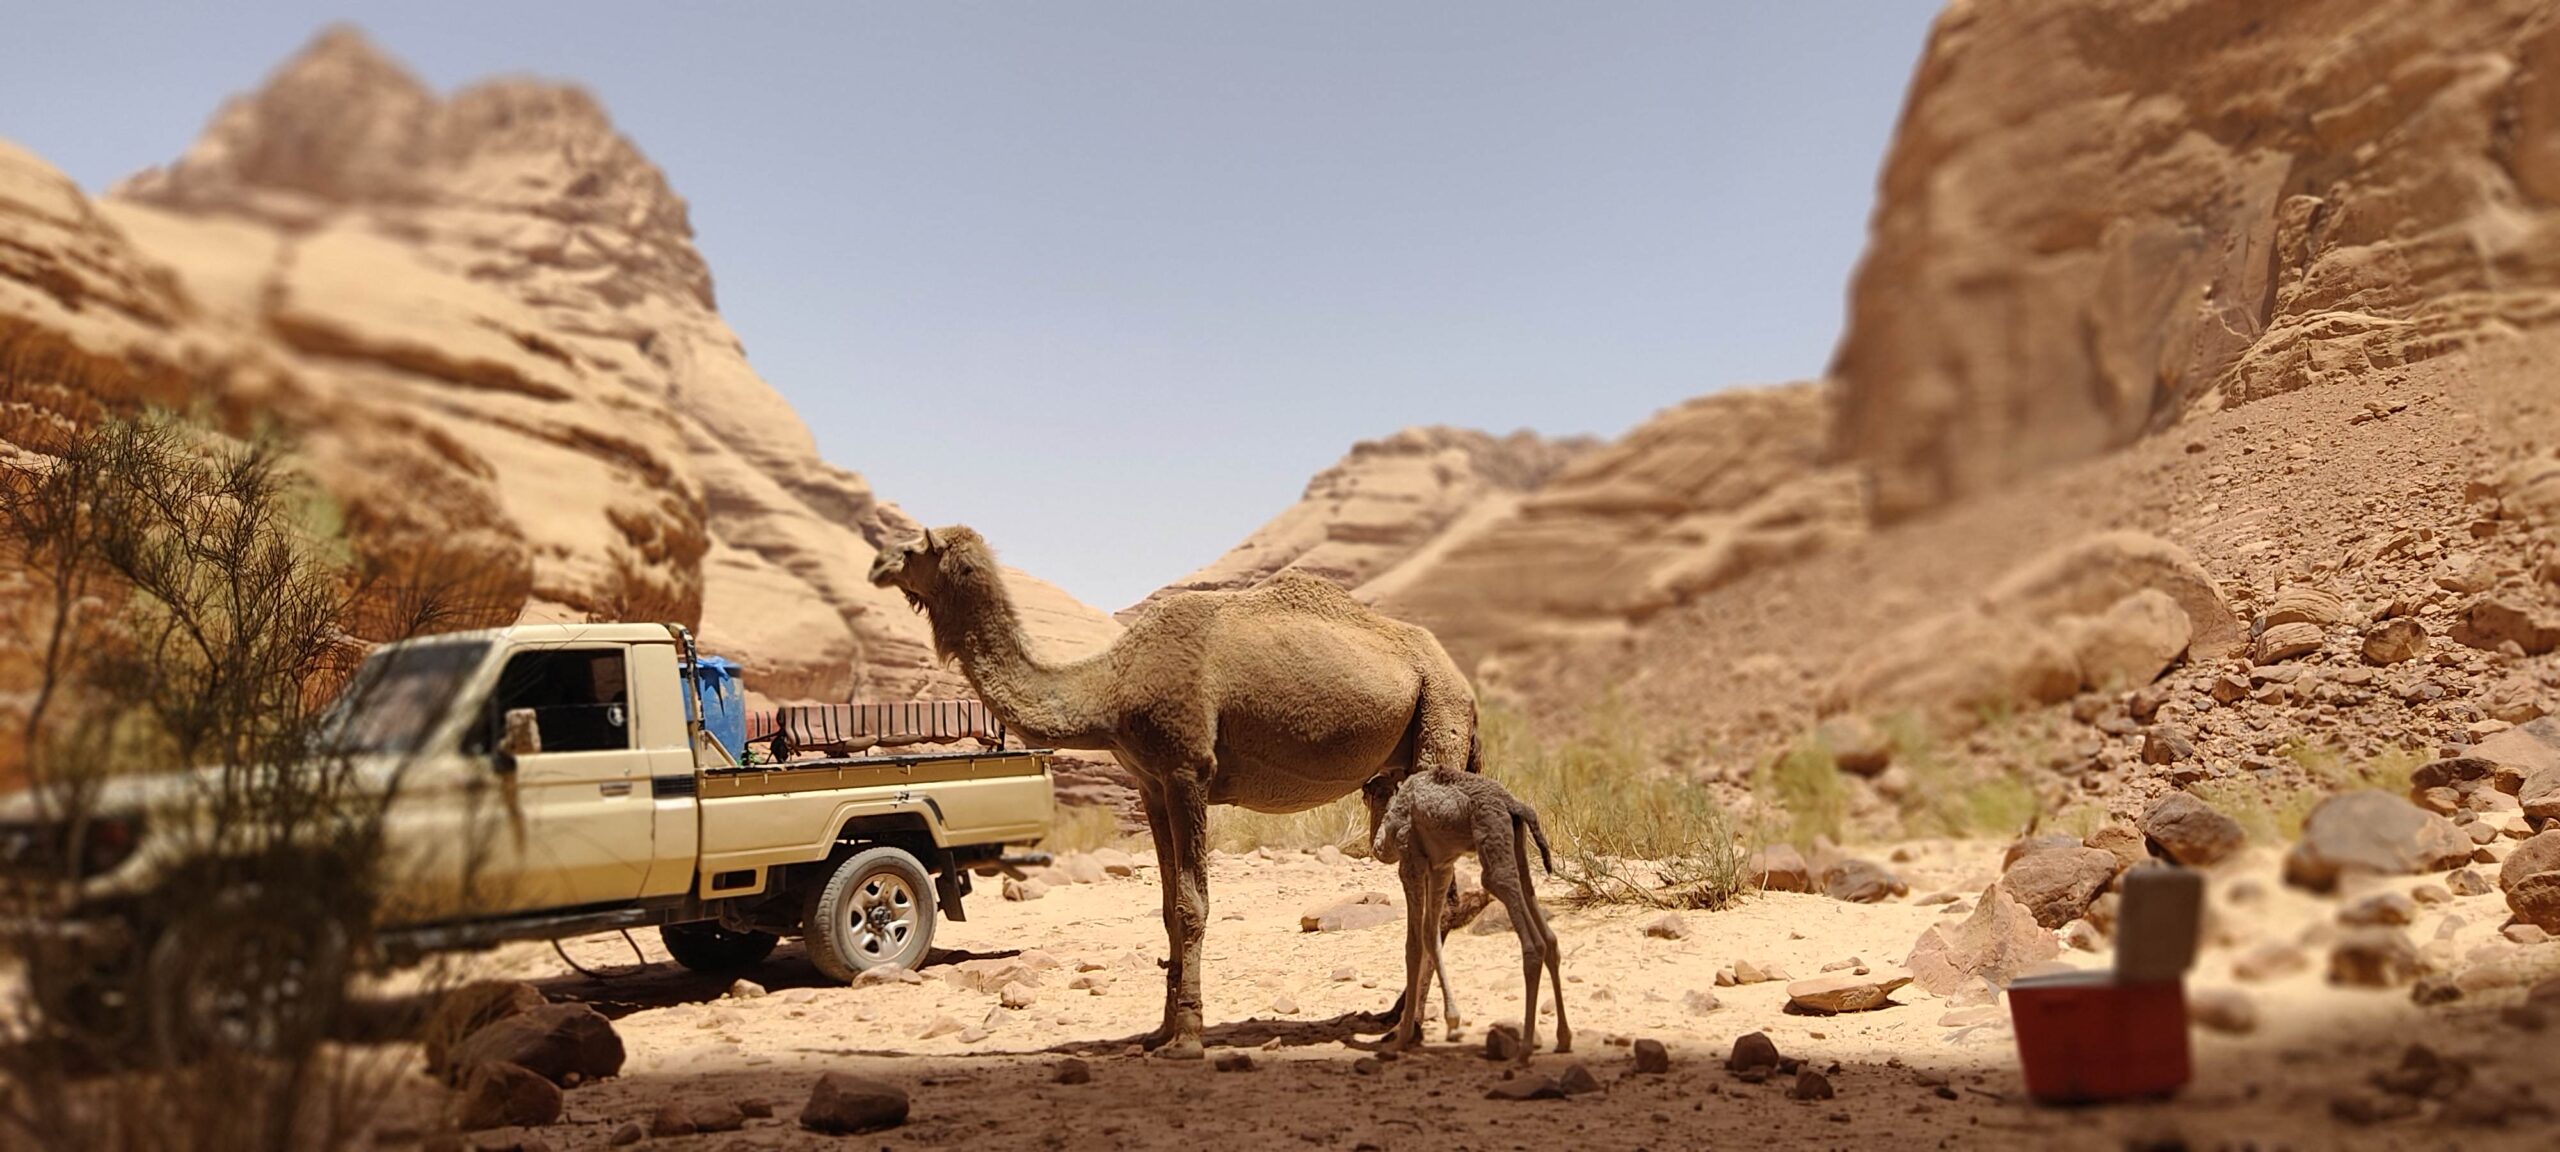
[523, 737]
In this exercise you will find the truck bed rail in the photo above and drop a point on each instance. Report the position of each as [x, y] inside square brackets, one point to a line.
[842, 729]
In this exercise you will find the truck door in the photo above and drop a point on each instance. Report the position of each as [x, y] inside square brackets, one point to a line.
[577, 816]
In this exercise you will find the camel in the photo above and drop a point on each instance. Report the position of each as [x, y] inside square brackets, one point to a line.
[1278, 698]
[1422, 826]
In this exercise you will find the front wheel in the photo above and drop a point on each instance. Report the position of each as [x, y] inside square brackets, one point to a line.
[875, 911]
[705, 946]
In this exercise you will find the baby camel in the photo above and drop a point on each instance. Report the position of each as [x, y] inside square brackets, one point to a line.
[1422, 826]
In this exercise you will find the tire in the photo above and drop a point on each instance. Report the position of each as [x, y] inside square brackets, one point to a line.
[705, 946]
[875, 911]
[250, 978]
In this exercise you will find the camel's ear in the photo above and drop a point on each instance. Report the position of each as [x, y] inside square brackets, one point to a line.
[929, 545]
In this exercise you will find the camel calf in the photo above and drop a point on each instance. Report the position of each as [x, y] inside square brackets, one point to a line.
[1422, 826]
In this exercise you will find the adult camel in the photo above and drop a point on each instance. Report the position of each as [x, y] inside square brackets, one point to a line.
[1278, 698]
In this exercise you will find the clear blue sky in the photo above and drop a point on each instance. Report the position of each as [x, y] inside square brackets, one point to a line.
[1110, 280]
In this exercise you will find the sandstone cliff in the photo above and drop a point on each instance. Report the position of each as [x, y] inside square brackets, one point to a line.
[2099, 216]
[484, 320]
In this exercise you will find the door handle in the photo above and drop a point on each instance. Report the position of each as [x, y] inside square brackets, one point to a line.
[615, 787]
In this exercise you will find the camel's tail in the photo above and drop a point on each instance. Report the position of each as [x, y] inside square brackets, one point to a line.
[1525, 817]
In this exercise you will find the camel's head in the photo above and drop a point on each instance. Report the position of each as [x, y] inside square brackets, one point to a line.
[925, 568]
[1377, 794]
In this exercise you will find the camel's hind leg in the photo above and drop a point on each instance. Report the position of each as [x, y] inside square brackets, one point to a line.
[1537, 921]
[1506, 876]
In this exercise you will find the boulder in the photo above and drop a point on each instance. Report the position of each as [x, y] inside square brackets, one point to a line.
[2501, 618]
[2057, 886]
[2130, 644]
[1998, 941]
[1527, 1086]
[693, 1117]
[1846, 991]
[2302, 604]
[1780, 868]
[1856, 744]
[2533, 857]
[2165, 744]
[499, 1095]
[2226, 1010]
[1810, 1085]
[2372, 958]
[466, 1010]
[2371, 832]
[1954, 666]
[2049, 842]
[1860, 882]
[2284, 642]
[1652, 1058]
[1577, 1080]
[2453, 784]
[2379, 910]
[1753, 1050]
[2394, 641]
[556, 1041]
[2536, 900]
[2125, 843]
[2185, 829]
[1668, 926]
[841, 1104]
[2521, 753]
[2091, 575]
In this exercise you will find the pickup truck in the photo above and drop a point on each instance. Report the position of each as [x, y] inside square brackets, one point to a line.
[545, 781]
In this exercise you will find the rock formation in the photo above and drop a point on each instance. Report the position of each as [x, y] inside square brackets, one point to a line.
[484, 320]
[2100, 215]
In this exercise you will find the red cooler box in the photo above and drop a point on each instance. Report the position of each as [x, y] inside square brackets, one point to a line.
[2110, 1035]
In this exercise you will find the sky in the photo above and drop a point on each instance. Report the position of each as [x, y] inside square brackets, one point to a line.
[1110, 280]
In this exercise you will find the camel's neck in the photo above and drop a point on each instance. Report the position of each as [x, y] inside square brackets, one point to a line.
[1063, 706]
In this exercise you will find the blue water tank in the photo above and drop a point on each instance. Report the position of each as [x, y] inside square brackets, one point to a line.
[724, 703]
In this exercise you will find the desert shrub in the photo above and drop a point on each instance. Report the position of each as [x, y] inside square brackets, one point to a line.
[1344, 824]
[190, 623]
[1628, 832]
[1085, 827]
[2273, 812]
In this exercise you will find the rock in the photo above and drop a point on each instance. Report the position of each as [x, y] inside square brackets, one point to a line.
[2286, 642]
[689, 1117]
[1999, 940]
[2083, 936]
[1753, 1050]
[2431, 894]
[2301, 604]
[2453, 784]
[1234, 1062]
[2122, 842]
[2226, 1010]
[990, 976]
[2362, 1107]
[841, 1104]
[555, 1041]
[2395, 641]
[1746, 972]
[1846, 991]
[2468, 882]
[1080, 868]
[1367, 910]
[1699, 1001]
[2525, 933]
[628, 1134]
[886, 974]
[1527, 1086]
[1860, 882]
[2269, 961]
[466, 1010]
[2057, 886]
[2130, 644]
[1652, 1058]
[2379, 910]
[2423, 1073]
[1856, 744]
[500, 1095]
[1668, 926]
[2051, 842]
[1577, 1080]
[938, 1027]
[1810, 1085]
[2372, 958]
[756, 1108]
[1780, 868]
[1502, 1042]
[1024, 889]
[745, 990]
[2533, 857]
[2185, 829]
[1018, 996]
[2521, 752]
[2371, 832]
[2536, 900]
[2499, 619]
[1115, 862]
[1073, 1071]
[2162, 744]
[1366, 1066]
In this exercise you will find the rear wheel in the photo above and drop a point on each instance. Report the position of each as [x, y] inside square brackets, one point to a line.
[875, 911]
[705, 946]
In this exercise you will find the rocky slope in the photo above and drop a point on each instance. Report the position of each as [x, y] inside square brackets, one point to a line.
[1391, 504]
[484, 319]
[2099, 216]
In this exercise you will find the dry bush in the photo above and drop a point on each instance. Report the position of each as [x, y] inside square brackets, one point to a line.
[1085, 827]
[1628, 831]
[191, 628]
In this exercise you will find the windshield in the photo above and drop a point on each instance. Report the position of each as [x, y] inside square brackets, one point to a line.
[399, 696]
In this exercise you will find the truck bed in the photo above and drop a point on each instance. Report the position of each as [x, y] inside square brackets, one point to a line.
[819, 774]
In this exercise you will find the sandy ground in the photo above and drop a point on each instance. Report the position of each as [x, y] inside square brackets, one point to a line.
[1286, 996]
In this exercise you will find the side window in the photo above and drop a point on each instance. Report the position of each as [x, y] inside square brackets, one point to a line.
[580, 699]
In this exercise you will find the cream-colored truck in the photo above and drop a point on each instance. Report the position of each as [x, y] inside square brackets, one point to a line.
[546, 781]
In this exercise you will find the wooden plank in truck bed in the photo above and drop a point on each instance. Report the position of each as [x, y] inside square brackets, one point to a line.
[868, 772]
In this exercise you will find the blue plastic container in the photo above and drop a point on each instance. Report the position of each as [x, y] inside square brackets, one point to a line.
[723, 699]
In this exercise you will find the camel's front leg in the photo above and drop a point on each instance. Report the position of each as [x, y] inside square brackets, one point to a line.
[1187, 826]
[1152, 800]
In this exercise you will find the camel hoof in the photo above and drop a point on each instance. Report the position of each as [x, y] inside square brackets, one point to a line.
[1182, 1048]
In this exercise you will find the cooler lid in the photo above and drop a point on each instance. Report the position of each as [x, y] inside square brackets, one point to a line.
[2157, 921]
